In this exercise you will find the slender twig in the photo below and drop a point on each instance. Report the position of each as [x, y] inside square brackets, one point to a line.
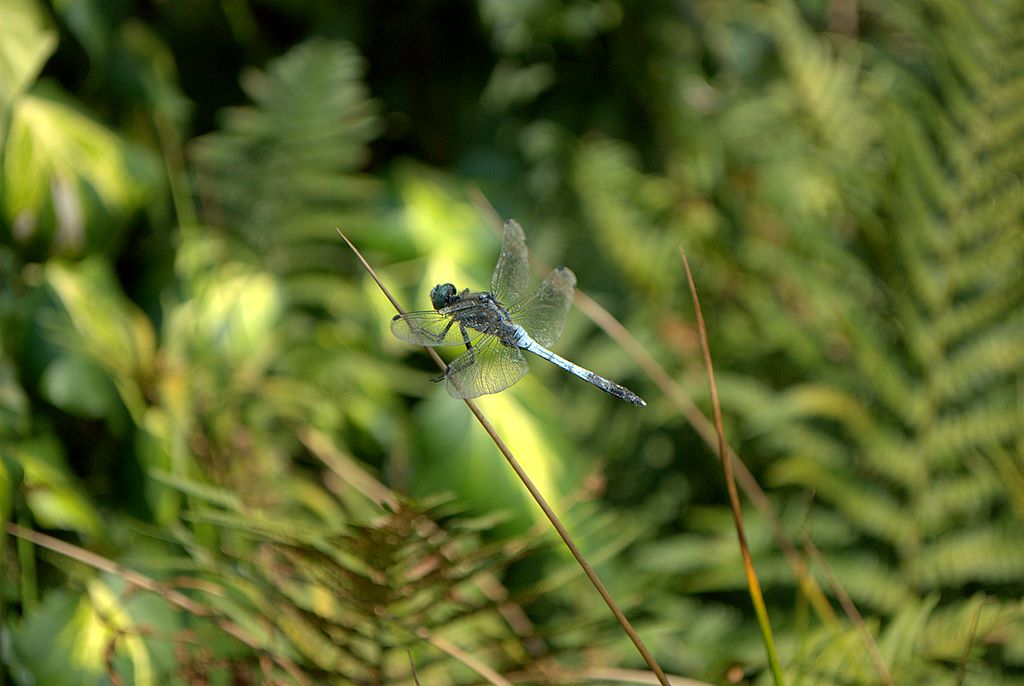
[412, 669]
[142, 581]
[563, 533]
[452, 650]
[27, 562]
[633, 676]
[704, 427]
[850, 609]
[753, 585]
[961, 672]
[320, 445]
[597, 675]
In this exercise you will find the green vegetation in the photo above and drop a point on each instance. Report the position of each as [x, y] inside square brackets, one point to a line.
[199, 391]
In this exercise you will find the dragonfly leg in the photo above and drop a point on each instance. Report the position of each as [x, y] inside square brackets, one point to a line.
[444, 331]
[471, 358]
[466, 360]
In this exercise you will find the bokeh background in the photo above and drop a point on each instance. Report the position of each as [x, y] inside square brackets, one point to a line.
[197, 381]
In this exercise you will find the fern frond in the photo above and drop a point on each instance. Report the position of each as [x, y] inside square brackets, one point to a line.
[884, 328]
[991, 554]
[285, 171]
[959, 497]
[866, 507]
[995, 624]
[606, 174]
[352, 603]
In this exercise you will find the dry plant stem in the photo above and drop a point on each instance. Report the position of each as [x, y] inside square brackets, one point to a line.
[144, 582]
[700, 423]
[412, 669]
[633, 676]
[599, 675]
[753, 584]
[961, 672]
[538, 498]
[453, 651]
[851, 611]
[345, 467]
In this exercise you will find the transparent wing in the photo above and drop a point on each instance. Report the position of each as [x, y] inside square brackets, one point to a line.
[486, 368]
[427, 327]
[543, 312]
[512, 271]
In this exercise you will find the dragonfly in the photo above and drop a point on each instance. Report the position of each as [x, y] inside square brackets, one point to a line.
[498, 325]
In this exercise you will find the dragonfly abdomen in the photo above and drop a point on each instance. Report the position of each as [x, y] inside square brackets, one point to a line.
[606, 385]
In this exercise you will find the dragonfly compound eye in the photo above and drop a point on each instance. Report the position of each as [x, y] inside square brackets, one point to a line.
[442, 295]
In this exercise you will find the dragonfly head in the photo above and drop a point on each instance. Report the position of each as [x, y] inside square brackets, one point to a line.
[442, 295]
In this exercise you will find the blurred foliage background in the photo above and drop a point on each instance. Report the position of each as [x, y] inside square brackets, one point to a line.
[197, 382]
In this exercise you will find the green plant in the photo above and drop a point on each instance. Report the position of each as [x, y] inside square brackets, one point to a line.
[879, 321]
[210, 396]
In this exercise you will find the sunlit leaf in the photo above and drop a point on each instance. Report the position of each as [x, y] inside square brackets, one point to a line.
[118, 622]
[26, 41]
[62, 643]
[70, 185]
[107, 327]
[53, 497]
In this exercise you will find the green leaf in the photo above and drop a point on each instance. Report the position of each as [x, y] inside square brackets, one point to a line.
[201, 491]
[286, 170]
[106, 327]
[64, 507]
[79, 386]
[53, 497]
[236, 310]
[69, 185]
[11, 476]
[113, 610]
[26, 42]
[60, 644]
[65, 642]
[91, 22]
[139, 67]
[15, 417]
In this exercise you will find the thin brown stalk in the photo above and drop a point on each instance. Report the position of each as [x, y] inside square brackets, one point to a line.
[142, 581]
[320, 445]
[598, 675]
[412, 669]
[633, 676]
[961, 672]
[553, 518]
[704, 427]
[753, 585]
[453, 651]
[850, 609]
